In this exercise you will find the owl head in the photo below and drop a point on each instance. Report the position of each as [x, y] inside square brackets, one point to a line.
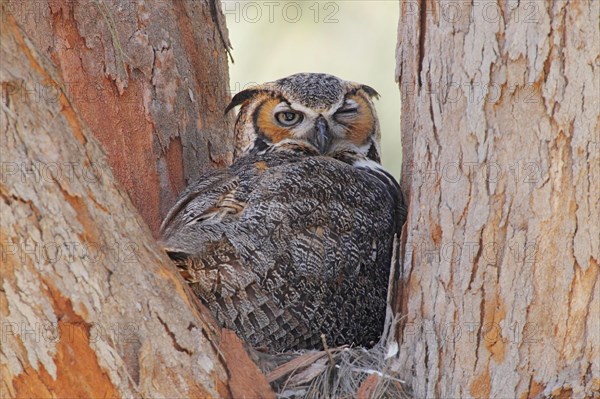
[326, 114]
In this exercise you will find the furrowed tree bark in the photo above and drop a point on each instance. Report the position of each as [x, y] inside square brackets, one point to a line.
[90, 306]
[501, 167]
[150, 79]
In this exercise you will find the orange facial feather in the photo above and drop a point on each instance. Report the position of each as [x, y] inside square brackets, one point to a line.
[267, 124]
[361, 128]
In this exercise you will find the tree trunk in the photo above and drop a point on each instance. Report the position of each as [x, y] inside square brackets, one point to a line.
[150, 79]
[502, 169]
[90, 306]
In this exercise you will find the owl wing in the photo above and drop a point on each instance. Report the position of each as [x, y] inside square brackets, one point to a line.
[196, 233]
[206, 201]
[306, 252]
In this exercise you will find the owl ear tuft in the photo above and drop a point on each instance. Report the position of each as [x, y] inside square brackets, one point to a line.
[240, 98]
[370, 91]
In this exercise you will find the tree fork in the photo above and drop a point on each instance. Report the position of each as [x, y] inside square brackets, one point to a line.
[90, 306]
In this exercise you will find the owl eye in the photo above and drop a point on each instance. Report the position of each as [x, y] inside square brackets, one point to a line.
[347, 111]
[288, 118]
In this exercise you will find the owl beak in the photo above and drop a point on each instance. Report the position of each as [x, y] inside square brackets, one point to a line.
[321, 137]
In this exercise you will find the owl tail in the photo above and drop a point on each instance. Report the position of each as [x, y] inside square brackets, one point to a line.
[175, 255]
[180, 258]
[182, 261]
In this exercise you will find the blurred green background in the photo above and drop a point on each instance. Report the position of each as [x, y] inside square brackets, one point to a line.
[354, 40]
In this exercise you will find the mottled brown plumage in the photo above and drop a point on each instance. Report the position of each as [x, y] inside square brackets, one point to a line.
[294, 240]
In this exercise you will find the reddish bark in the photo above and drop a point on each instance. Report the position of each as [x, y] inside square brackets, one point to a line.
[150, 79]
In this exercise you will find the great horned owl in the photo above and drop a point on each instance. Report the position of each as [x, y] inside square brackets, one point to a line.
[294, 240]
